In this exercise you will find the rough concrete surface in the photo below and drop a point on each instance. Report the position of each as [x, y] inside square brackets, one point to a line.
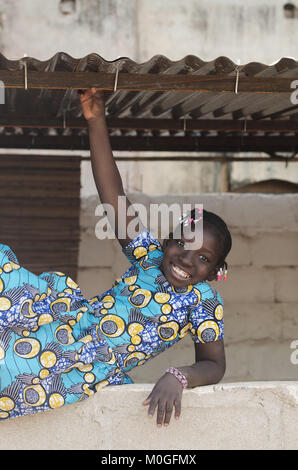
[251, 415]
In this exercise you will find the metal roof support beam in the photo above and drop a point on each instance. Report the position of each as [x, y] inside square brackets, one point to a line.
[285, 125]
[145, 82]
[178, 144]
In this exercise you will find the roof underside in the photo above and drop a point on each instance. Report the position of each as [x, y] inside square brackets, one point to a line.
[160, 105]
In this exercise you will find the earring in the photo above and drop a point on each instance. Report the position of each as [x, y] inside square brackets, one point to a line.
[222, 274]
[219, 274]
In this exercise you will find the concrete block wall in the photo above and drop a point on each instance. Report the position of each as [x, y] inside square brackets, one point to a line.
[262, 415]
[260, 297]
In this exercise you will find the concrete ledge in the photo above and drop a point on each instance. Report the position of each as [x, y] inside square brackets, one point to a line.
[247, 415]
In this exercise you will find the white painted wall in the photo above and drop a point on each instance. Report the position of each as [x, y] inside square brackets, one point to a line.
[253, 30]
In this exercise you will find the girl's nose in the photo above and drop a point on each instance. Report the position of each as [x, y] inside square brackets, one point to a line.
[187, 257]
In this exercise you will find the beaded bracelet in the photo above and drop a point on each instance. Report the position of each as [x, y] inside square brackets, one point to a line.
[179, 376]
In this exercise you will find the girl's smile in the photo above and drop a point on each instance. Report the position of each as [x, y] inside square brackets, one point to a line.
[183, 267]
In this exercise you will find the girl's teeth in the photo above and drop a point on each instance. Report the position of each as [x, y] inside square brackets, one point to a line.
[180, 273]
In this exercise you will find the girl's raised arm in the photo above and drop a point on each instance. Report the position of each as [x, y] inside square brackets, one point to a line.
[106, 174]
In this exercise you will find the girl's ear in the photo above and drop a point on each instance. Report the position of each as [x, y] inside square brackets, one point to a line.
[213, 275]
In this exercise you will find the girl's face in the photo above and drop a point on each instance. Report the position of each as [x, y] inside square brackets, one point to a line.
[183, 267]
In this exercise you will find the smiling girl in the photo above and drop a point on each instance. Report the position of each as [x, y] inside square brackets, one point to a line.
[58, 348]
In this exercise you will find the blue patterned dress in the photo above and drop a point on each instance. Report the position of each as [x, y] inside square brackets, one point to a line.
[57, 347]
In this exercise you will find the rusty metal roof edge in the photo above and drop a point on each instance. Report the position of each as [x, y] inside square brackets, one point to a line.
[156, 64]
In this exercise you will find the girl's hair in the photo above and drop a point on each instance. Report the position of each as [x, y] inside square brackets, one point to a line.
[220, 230]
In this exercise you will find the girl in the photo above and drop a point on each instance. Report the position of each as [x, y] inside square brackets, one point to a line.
[57, 348]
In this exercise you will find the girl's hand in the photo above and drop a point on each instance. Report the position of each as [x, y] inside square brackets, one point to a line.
[92, 102]
[166, 395]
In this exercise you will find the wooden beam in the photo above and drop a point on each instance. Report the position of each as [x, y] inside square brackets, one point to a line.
[145, 82]
[28, 160]
[224, 125]
[220, 143]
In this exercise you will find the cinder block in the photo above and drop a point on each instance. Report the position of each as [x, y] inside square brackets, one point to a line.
[261, 211]
[275, 249]
[289, 312]
[120, 263]
[94, 252]
[247, 284]
[240, 254]
[95, 281]
[259, 360]
[252, 321]
[181, 354]
[286, 285]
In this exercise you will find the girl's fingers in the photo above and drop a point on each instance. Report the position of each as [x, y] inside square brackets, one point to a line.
[153, 404]
[147, 401]
[160, 413]
[168, 413]
[177, 405]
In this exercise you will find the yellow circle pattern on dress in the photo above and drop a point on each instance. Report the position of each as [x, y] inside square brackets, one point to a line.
[6, 404]
[198, 294]
[168, 331]
[130, 280]
[140, 298]
[61, 305]
[56, 400]
[112, 326]
[162, 297]
[133, 358]
[63, 335]
[70, 283]
[139, 252]
[43, 373]
[89, 377]
[166, 309]
[27, 348]
[208, 331]
[7, 268]
[5, 303]
[101, 384]
[34, 395]
[26, 309]
[2, 353]
[184, 330]
[48, 359]
[108, 301]
[218, 312]
[45, 318]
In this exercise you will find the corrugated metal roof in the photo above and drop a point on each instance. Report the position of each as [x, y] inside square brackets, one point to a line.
[207, 105]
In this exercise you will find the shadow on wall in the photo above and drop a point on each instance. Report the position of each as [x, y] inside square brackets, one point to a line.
[268, 186]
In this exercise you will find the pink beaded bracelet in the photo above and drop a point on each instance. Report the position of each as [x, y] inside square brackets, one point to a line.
[179, 376]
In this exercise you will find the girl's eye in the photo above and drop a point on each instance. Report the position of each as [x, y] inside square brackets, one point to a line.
[180, 243]
[205, 260]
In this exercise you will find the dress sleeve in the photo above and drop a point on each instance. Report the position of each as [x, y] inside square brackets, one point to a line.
[144, 243]
[206, 320]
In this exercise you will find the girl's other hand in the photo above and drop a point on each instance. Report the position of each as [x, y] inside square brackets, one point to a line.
[166, 395]
[92, 102]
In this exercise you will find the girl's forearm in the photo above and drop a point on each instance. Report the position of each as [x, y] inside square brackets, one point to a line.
[106, 174]
[203, 373]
